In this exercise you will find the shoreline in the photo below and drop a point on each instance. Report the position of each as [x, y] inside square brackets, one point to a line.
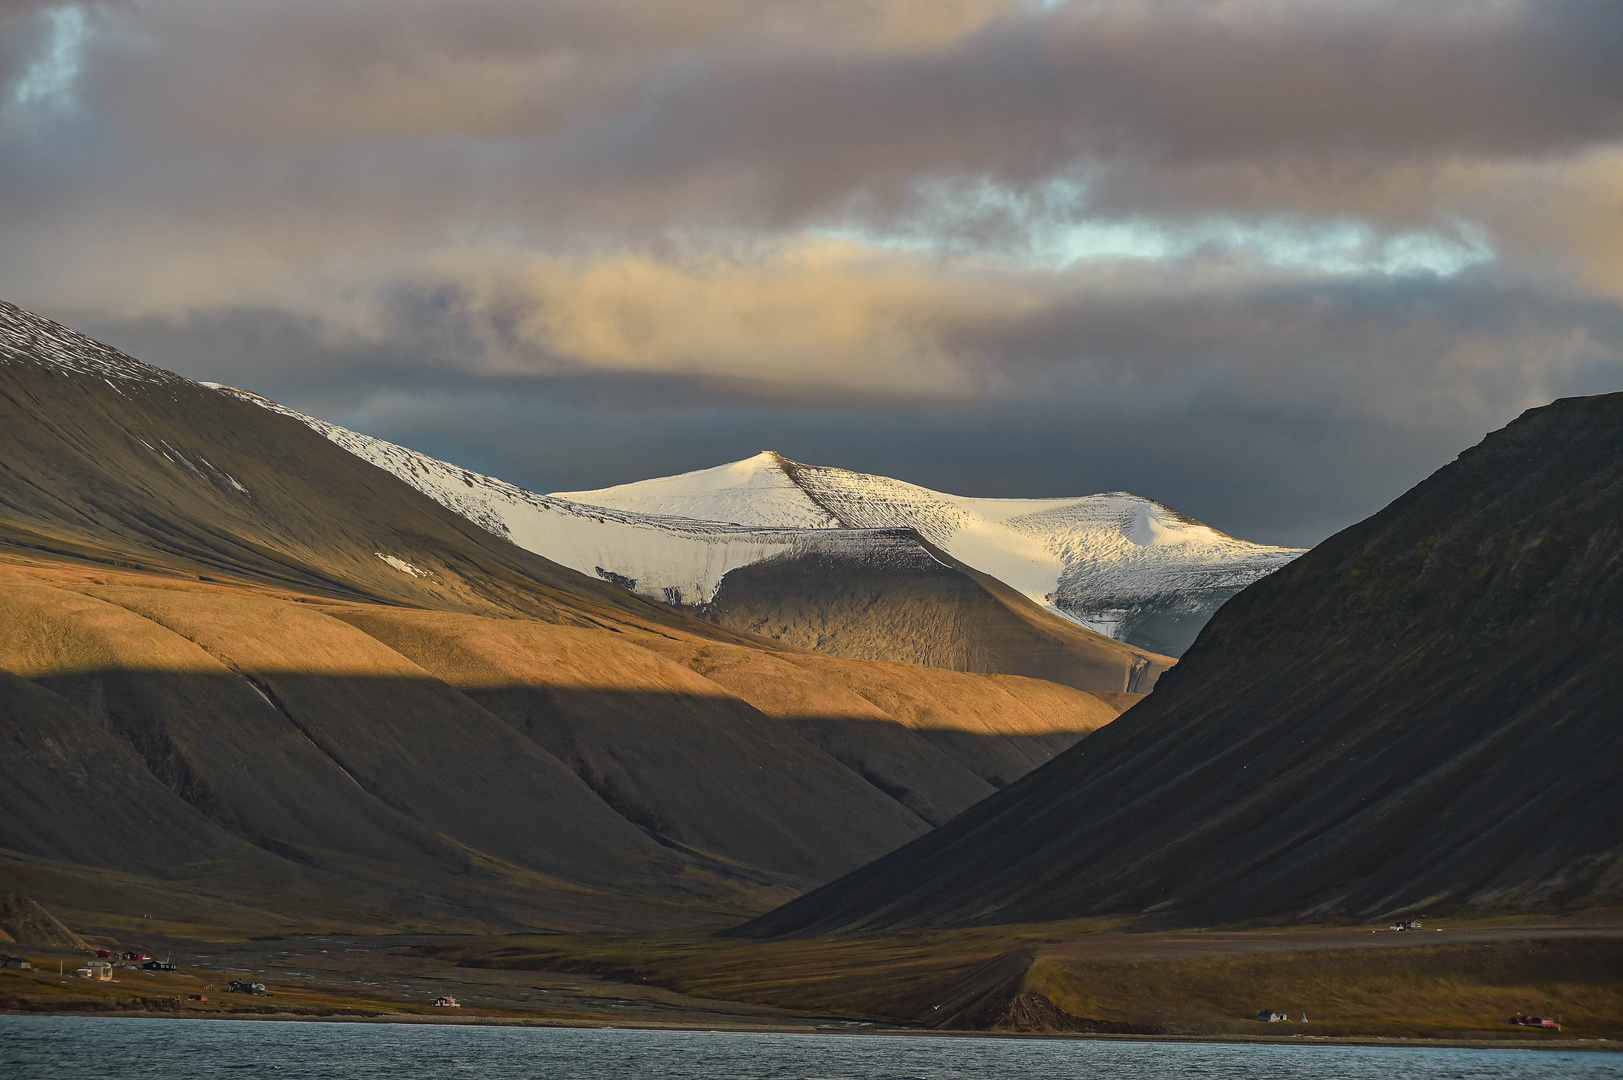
[849, 1028]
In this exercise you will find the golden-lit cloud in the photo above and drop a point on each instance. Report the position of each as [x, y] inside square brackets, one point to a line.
[818, 316]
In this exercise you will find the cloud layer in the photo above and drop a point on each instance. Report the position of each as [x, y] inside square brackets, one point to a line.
[1217, 233]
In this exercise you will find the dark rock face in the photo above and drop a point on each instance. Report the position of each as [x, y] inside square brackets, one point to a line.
[1426, 711]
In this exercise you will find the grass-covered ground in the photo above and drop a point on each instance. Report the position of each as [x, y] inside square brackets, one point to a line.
[1456, 983]
[1432, 992]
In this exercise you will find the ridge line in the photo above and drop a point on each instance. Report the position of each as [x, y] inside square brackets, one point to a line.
[792, 470]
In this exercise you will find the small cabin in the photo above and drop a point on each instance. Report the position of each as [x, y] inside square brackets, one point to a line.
[137, 955]
[96, 969]
[15, 962]
[157, 965]
[446, 1001]
[1268, 1016]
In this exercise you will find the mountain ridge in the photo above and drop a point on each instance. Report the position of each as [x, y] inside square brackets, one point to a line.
[882, 592]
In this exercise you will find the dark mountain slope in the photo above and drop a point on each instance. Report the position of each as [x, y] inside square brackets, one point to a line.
[1421, 713]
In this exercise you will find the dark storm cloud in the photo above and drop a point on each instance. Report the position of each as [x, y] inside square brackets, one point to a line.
[1281, 416]
[1211, 251]
[1034, 94]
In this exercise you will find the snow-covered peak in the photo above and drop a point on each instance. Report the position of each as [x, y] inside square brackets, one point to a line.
[1108, 561]
[675, 559]
[1117, 563]
[757, 491]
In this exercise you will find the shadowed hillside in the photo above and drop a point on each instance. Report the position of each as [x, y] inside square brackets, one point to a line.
[1420, 714]
[920, 605]
[251, 679]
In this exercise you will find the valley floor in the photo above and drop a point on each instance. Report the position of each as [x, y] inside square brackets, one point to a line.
[1453, 983]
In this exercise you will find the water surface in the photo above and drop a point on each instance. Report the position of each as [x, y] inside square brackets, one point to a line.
[52, 1046]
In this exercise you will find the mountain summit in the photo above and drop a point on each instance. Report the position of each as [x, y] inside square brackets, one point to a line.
[1117, 563]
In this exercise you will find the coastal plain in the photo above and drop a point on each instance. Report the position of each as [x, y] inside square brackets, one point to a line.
[1454, 983]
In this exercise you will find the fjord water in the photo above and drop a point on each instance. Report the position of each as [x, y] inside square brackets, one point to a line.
[44, 1047]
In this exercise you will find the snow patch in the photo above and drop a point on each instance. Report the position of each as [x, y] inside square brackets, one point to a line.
[402, 565]
[202, 468]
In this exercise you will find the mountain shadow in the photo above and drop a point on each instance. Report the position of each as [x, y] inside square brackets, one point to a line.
[413, 794]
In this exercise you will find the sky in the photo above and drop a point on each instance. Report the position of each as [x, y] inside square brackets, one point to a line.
[1271, 262]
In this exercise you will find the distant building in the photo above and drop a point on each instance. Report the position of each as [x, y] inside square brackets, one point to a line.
[446, 1001]
[1268, 1016]
[96, 969]
[15, 962]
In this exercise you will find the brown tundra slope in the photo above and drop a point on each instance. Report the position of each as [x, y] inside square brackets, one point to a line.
[249, 678]
[1424, 713]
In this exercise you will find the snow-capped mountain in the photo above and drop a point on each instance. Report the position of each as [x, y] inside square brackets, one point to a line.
[1117, 563]
[678, 560]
